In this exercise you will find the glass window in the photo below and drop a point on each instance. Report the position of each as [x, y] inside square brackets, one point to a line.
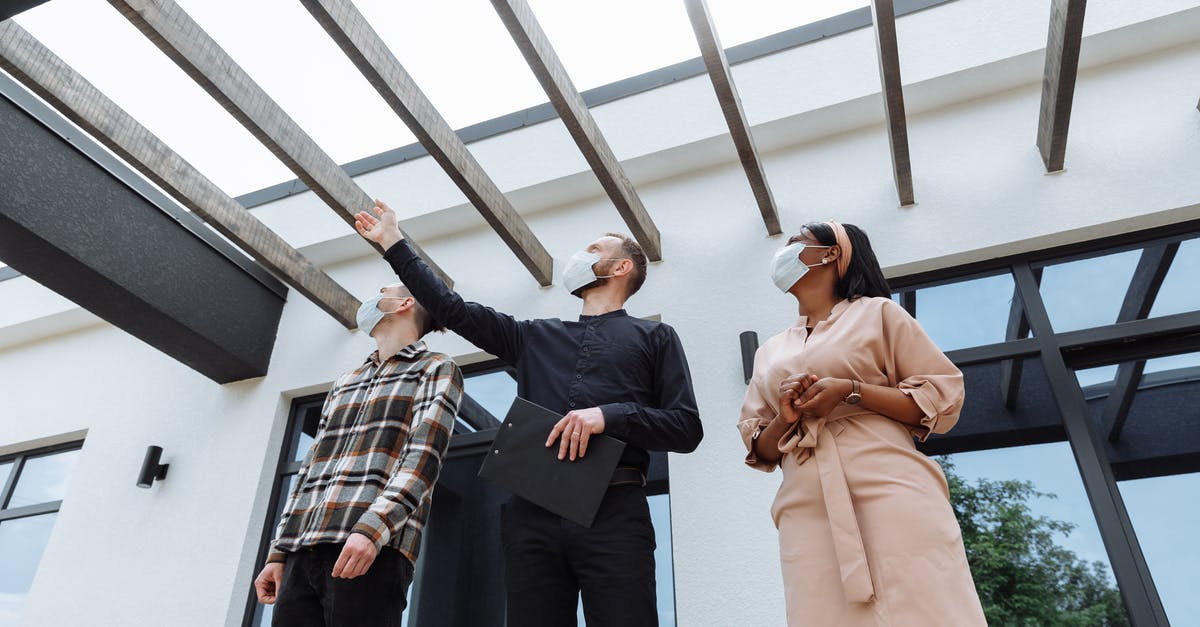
[1029, 504]
[1165, 521]
[43, 479]
[951, 325]
[22, 541]
[1178, 293]
[493, 390]
[27, 516]
[1088, 292]
[1089, 377]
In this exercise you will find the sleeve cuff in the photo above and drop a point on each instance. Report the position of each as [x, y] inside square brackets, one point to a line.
[616, 419]
[928, 407]
[400, 251]
[374, 527]
[751, 430]
[276, 557]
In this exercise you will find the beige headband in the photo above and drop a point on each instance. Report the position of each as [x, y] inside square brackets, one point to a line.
[843, 242]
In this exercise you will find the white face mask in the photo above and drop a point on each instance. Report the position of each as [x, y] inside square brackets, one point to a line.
[578, 273]
[369, 313]
[786, 267]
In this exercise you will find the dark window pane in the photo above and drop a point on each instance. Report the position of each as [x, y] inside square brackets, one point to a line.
[1089, 292]
[43, 478]
[262, 613]
[22, 542]
[495, 391]
[1008, 500]
[1178, 293]
[309, 419]
[968, 313]
[1165, 521]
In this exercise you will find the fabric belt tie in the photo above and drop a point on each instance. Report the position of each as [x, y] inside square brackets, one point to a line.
[627, 475]
[818, 442]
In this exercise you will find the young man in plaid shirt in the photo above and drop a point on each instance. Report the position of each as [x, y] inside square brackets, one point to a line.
[344, 550]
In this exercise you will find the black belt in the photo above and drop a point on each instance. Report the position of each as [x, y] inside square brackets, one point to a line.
[628, 475]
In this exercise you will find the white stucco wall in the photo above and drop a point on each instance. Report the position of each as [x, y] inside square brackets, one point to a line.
[182, 552]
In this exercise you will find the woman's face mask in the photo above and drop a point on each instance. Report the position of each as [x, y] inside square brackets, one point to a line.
[786, 267]
[369, 313]
[578, 272]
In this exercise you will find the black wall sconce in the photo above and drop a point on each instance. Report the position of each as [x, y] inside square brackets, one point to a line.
[151, 469]
[749, 341]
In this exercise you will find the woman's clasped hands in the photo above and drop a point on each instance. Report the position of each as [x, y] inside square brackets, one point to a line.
[807, 395]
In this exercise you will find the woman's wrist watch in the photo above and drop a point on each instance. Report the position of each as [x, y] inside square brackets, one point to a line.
[855, 394]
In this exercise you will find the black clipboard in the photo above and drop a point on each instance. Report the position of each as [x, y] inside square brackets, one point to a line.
[520, 462]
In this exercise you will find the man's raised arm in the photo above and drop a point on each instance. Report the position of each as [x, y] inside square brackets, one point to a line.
[497, 333]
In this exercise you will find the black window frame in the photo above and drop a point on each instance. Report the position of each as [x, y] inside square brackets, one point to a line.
[10, 485]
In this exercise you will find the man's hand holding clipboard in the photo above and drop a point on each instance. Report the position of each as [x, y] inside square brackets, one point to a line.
[561, 480]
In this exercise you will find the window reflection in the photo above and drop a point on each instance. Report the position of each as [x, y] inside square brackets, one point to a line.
[494, 390]
[941, 312]
[1018, 497]
[1165, 522]
[1088, 292]
[22, 542]
[43, 479]
[1178, 293]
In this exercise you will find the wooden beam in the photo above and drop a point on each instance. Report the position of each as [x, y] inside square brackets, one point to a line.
[48, 76]
[731, 105]
[1058, 80]
[549, 70]
[347, 26]
[183, 40]
[883, 14]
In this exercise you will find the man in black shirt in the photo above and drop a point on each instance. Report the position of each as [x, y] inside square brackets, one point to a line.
[607, 373]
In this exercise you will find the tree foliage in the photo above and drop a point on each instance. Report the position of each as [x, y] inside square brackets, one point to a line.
[1024, 578]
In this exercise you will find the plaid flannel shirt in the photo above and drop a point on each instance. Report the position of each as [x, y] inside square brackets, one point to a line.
[378, 449]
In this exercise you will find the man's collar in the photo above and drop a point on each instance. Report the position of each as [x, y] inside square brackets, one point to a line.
[617, 313]
[408, 352]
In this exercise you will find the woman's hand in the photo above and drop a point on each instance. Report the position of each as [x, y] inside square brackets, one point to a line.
[790, 390]
[819, 398]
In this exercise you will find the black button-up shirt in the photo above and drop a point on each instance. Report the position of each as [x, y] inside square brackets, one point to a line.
[634, 370]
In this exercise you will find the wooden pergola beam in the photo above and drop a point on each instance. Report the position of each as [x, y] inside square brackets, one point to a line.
[170, 28]
[549, 70]
[48, 76]
[883, 15]
[731, 105]
[355, 36]
[1058, 80]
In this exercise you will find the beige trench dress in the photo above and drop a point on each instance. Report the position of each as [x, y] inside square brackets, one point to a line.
[866, 532]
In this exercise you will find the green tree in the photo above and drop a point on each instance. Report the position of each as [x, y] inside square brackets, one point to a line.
[1024, 578]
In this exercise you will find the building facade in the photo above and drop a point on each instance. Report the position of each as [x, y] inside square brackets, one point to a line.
[80, 400]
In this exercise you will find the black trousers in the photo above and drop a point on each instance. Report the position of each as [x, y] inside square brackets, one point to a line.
[310, 597]
[550, 562]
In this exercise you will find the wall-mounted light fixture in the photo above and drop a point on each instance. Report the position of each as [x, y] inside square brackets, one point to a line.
[749, 341]
[151, 469]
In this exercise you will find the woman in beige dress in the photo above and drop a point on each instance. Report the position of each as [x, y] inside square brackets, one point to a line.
[866, 532]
